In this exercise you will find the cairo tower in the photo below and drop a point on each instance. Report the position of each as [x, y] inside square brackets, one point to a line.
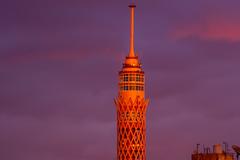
[131, 105]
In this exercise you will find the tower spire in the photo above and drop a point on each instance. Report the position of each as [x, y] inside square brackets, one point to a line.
[131, 50]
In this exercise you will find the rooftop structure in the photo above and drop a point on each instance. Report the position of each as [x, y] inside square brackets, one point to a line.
[217, 153]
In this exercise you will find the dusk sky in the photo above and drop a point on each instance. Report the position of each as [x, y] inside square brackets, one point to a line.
[59, 63]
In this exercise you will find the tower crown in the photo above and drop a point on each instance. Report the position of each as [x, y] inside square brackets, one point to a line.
[132, 76]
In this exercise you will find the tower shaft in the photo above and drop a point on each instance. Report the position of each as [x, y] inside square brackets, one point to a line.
[131, 129]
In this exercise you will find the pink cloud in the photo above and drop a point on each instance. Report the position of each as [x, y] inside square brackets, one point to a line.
[210, 29]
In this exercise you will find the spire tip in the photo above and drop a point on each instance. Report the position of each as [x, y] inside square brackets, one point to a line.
[132, 5]
[131, 50]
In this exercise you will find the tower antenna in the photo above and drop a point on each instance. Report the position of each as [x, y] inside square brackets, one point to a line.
[132, 6]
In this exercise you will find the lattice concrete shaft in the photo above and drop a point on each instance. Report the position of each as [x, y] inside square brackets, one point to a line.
[131, 128]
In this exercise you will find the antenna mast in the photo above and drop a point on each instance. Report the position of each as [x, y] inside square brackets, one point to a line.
[131, 50]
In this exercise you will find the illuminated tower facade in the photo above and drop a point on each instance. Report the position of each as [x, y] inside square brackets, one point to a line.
[131, 105]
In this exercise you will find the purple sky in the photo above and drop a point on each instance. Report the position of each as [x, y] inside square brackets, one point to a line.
[59, 63]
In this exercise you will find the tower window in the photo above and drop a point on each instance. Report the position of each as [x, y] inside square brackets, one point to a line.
[130, 77]
[132, 87]
[137, 77]
[125, 77]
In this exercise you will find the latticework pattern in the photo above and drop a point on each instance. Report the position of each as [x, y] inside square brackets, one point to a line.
[131, 128]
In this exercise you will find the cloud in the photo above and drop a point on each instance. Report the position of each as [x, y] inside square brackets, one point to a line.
[209, 28]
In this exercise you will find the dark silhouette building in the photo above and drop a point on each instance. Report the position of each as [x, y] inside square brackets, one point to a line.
[217, 153]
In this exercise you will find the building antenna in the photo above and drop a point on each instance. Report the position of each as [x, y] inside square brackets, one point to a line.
[198, 148]
[132, 6]
[225, 147]
[237, 150]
